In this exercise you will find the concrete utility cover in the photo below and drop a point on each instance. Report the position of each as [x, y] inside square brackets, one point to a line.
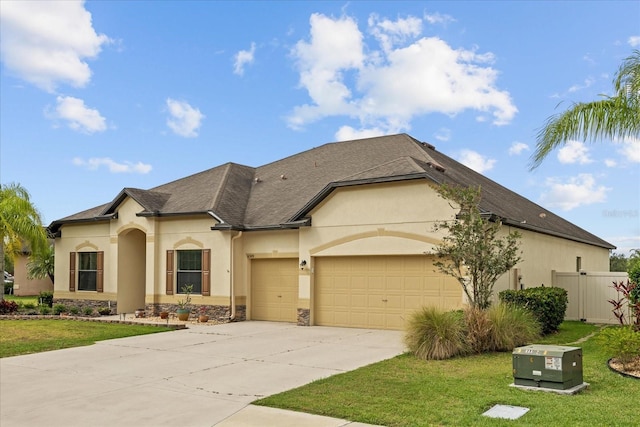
[506, 411]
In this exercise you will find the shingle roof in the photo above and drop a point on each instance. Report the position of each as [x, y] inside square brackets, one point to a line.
[284, 191]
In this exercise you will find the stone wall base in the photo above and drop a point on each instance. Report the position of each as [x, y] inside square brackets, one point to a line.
[220, 313]
[83, 303]
[304, 317]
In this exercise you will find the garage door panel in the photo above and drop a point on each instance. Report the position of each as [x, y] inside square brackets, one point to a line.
[396, 286]
[274, 289]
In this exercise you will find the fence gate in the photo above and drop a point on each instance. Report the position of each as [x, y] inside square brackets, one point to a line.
[588, 294]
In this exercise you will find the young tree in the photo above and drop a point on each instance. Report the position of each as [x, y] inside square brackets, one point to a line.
[19, 223]
[614, 117]
[471, 251]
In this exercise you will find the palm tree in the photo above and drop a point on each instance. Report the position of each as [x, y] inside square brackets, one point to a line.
[19, 223]
[42, 264]
[613, 117]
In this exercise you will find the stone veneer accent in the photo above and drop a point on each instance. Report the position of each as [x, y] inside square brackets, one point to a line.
[220, 313]
[304, 317]
[81, 304]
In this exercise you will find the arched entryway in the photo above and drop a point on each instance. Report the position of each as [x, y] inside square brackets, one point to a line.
[132, 257]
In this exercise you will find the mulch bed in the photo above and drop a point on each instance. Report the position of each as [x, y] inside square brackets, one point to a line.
[632, 369]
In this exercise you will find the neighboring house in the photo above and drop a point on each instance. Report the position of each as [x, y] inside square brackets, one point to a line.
[337, 235]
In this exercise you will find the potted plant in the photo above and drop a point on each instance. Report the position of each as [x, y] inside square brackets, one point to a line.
[182, 311]
[164, 314]
[203, 317]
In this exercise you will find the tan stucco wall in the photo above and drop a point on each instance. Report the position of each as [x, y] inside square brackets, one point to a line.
[543, 253]
[22, 285]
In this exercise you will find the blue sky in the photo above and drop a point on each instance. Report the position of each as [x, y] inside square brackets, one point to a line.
[101, 95]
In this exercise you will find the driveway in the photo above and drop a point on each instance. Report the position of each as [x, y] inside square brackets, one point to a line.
[199, 376]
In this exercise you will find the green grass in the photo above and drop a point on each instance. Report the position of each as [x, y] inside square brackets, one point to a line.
[405, 391]
[33, 336]
[22, 300]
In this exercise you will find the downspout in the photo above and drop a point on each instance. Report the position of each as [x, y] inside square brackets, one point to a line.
[232, 304]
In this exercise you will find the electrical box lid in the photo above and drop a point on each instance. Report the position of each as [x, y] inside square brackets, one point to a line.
[545, 350]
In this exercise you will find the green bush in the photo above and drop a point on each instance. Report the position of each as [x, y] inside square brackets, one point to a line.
[511, 327]
[29, 306]
[87, 311]
[548, 305]
[501, 327]
[434, 334]
[621, 342]
[46, 298]
[59, 308]
[105, 311]
[74, 310]
[8, 288]
[45, 309]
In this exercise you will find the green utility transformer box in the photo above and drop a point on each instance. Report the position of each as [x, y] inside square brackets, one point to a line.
[547, 366]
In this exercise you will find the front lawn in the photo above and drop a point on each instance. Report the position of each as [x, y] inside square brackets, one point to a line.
[404, 391]
[32, 336]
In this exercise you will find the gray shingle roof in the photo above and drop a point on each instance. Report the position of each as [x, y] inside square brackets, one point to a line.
[284, 191]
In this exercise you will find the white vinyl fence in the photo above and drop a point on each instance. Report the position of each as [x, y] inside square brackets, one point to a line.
[589, 293]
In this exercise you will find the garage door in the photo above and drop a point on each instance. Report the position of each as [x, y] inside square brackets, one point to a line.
[274, 290]
[379, 291]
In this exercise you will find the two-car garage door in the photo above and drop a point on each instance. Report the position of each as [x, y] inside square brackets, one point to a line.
[379, 291]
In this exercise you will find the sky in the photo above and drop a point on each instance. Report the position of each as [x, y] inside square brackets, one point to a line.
[97, 96]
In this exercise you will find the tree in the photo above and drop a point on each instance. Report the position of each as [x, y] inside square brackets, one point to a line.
[613, 117]
[20, 223]
[618, 262]
[42, 264]
[471, 251]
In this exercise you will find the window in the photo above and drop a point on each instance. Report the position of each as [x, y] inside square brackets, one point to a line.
[189, 270]
[87, 271]
[578, 264]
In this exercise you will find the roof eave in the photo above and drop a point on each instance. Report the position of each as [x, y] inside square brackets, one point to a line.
[526, 226]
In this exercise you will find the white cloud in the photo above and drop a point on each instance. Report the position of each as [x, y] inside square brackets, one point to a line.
[634, 41]
[387, 88]
[475, 161]
[47, 42]
[390, 33]
[588, 82]
[79, 117]
[443, 134]
[114, 167]
[517, 148]
[347, 133]
[243, 58]
[574, 152]
[184, 120]
[438, 18]
[630, 148]
[610, 163]
[578, 191]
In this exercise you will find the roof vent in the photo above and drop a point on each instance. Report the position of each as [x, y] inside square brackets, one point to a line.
[436, 166]
[257, 180]
[283, 177]
[426, 144]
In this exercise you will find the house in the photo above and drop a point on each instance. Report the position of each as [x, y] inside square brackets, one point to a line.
[340, 235]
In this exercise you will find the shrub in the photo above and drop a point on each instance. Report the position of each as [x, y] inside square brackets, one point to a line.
[622, 342]
[501, 327]
[8, 307]
[46, 298]
[626, 307]
[511, 327]
[29, 305]
[548, 305]
[8, 288]
[74, 310]
[59, 308]
[105, 311]
[434, 334]
[478, 330]
[87, 311]
[45, 309]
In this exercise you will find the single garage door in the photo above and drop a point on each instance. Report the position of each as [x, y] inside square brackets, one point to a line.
[379, 292]
[274, 289]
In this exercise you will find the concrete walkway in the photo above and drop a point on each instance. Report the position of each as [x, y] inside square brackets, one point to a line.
[201, 376]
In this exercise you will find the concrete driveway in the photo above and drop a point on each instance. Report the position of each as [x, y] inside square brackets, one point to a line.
[201, 376]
